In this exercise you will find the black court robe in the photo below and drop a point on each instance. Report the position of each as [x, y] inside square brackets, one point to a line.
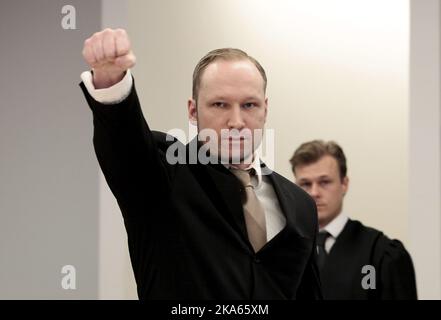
[358, 246]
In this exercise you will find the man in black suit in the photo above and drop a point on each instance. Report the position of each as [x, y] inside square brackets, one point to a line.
[355, 261]
[220, 225]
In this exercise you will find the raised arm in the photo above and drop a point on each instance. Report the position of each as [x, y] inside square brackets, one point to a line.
[127, 152]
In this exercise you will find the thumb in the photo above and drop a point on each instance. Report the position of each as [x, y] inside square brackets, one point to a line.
[126, 61]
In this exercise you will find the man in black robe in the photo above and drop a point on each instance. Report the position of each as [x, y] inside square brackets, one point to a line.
[355, 261]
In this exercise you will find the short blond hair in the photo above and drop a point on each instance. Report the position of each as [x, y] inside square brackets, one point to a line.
[225, 54]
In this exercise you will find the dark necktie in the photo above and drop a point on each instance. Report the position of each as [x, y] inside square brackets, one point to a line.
[254, 213]
[321, 252]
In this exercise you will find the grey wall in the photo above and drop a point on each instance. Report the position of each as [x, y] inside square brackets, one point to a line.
[425, 145]
[48, 171]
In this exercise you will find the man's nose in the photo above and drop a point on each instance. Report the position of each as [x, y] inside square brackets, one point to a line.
[235, 119]
[315, 191]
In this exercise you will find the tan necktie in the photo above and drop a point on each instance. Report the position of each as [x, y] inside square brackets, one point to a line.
[254, 212]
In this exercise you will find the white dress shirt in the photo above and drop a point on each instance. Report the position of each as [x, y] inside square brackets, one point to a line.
[112, 95]
[275, 220]
[334, 228]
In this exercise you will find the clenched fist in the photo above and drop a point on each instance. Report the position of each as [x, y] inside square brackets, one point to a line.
[109, 55]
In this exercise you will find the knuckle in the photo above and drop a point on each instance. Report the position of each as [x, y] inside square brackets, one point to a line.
[87, 42]
[107, 32]
[97, 36]
[121, 32]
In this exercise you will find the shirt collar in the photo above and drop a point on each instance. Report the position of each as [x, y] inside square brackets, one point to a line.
[335, 227]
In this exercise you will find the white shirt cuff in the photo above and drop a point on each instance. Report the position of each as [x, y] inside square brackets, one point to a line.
[112, 95]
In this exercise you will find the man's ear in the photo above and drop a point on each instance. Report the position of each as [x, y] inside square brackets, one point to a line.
[266, 108]
[192, 112]
[345, 184]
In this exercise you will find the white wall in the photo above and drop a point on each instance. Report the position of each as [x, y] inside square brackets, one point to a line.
[425, 146]
[336, 70]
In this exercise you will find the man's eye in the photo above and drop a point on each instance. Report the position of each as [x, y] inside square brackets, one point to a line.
[249, 105]
[305, 185]
[324, 182]
[219, 104]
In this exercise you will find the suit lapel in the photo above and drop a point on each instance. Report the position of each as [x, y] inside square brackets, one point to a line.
[225, 192]
[287, 204]
[228, 196]
[292, 245]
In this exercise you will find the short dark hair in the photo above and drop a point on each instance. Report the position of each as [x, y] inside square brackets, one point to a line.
[225, 54]
[312, 151]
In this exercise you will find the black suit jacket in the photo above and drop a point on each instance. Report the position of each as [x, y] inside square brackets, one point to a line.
[185, 225]
[357, 246]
